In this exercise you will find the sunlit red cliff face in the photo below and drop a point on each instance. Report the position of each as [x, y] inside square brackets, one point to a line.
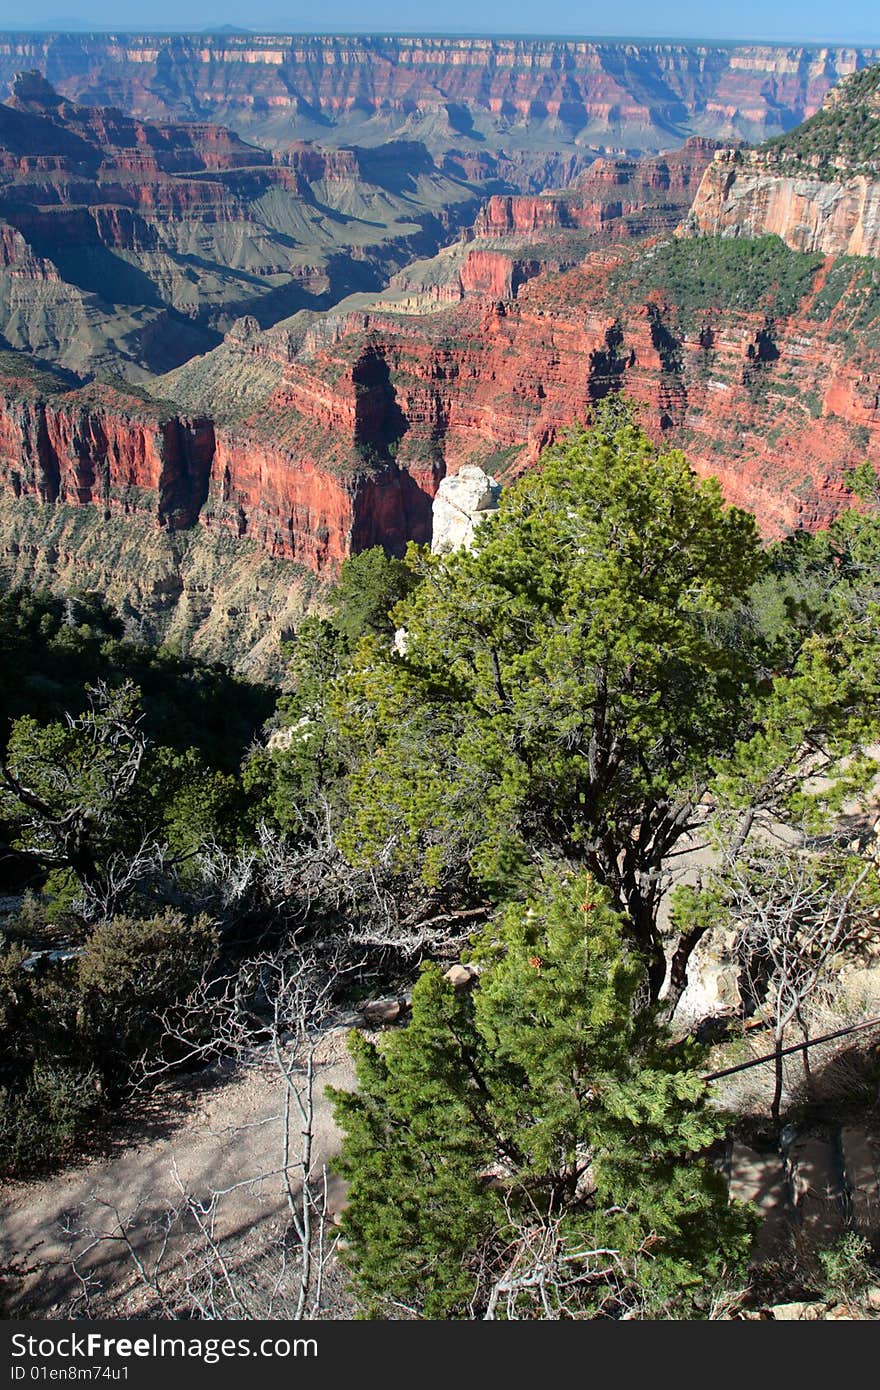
[618, 197]
[777, 412]
[103, 449]
[359, 424]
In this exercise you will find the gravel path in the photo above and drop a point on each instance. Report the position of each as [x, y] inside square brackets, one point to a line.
[214, 1131]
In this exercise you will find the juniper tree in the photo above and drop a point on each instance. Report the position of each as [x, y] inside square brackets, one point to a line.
[564, 685]
[615, 660]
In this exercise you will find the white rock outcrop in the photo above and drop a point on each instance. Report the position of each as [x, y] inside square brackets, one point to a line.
[713, 987]
[463, 500]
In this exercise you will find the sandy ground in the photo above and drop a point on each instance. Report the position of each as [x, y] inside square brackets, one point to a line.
[215, 1131]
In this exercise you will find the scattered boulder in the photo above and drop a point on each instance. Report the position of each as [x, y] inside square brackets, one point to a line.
[282, 739]
[381, 1012]
[713, 980]
[798, 1312]
[460, 976]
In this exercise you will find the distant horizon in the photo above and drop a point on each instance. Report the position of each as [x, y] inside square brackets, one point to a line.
[226, 30]
[801, 23]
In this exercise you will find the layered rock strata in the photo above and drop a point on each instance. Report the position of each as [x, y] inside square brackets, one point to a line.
[343, 429]
[101, 448]
[127, 246]
[462, 93]
[817, 187]
[743, 194]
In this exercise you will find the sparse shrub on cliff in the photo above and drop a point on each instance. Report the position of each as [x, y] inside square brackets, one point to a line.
[851, 293]
[92, 796]
[840, 140]
[816, 584]
[73, 1024]
[304, 759]
[849, 1267]
[52, 648]
[130, 970]
[698, 274]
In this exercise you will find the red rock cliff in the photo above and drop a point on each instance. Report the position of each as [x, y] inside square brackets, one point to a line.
[103, 449]
[321, 484]
[350, 446]
[620, 197]
[777, 409]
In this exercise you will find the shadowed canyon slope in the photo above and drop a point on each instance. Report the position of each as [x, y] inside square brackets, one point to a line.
[127, 246]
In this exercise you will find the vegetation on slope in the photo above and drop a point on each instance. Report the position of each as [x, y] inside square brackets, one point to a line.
[853, 286]
[538, 1120]
[698, 274]
[843, 138]
[55, 648]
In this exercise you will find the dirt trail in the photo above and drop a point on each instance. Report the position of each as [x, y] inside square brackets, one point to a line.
[214, 1131]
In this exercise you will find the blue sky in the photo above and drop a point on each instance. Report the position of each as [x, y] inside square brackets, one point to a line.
[804, 21]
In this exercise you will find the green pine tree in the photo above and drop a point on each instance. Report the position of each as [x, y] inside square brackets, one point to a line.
[537, 1136]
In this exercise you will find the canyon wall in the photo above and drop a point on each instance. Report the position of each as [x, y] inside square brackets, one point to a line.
[331, 432]
[777, 404]
[105, 449]
[311, 493]
[195, 589]
[636, 95]
[743, 194]
[616, 197]
[158, 236]
[817, 186]
[345, 429]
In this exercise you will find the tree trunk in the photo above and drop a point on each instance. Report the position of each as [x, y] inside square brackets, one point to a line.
[678, 970]
[808, 1071]
[776, 1104]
